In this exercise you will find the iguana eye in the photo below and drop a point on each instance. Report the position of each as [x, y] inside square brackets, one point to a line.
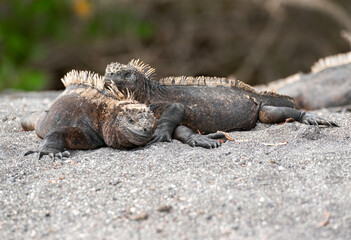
[131, 121]
[127, 75]
[111, 74]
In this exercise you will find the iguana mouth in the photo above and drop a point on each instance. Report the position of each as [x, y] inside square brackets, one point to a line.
[109, 77]
[139, 137]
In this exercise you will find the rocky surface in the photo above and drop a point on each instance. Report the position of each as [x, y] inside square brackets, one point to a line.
[289, 181]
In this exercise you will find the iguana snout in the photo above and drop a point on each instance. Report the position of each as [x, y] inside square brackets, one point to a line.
[137, 123]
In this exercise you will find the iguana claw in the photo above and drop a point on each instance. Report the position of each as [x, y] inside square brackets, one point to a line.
[313, 119]
[160, 138]
[206, 141]
[51, 154]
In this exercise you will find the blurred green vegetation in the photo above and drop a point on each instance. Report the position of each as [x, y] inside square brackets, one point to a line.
[28, 29]
[254, 40]
[22, 27]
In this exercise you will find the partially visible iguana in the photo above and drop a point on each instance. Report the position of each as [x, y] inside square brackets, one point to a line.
[205, 104]
[90, 113]
[327, 85]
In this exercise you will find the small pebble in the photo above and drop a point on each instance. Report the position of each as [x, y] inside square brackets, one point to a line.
[164, 208]
[139, 217]
[11, 179]
[115, 182]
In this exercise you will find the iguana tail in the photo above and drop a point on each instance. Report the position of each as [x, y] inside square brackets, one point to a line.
[274, 99]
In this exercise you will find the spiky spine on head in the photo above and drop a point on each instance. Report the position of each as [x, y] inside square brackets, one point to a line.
[93, 80]
[137, 65]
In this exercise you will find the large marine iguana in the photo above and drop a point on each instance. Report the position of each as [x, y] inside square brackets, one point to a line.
[90, 113]
[205, 104]
[328, 84]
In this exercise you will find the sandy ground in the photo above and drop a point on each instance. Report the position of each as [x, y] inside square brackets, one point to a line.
[289, 181]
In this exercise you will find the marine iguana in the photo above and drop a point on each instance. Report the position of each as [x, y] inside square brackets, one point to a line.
[328, 84]
[90, 113]
[204, 104]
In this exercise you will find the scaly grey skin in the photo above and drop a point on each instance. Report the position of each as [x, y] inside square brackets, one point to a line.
[204, 104]
[328, 85]
[88, 116]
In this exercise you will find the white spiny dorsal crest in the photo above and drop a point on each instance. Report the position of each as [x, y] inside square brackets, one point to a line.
[86, 78]
[205, 81]
[331, 61]
[214, 82]
[197, 81]
[93, 80]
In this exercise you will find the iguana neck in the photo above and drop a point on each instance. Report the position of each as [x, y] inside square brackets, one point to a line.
[150, 91]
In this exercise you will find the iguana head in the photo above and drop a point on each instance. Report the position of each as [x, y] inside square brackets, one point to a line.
[132, 77]
[133, 126]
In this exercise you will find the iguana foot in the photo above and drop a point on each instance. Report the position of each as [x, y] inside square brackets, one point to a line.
[52, 153]
[206, 141]
[186, 135]
[159, 136]
[313, 119]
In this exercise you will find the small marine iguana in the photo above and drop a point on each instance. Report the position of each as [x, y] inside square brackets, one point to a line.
[328, 84]
[90, 113]
[204, 104]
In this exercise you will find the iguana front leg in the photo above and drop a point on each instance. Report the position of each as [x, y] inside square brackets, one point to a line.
[186, 135]
[169, 120]
[56, 141]
[273, 114]
[54, 145]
